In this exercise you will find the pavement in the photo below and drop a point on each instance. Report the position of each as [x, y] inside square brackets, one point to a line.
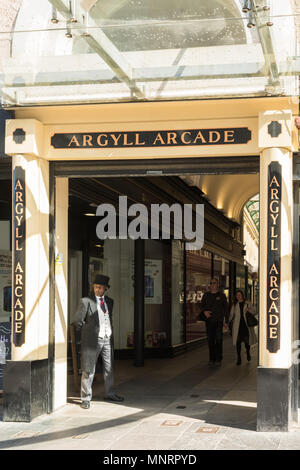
[170, 404]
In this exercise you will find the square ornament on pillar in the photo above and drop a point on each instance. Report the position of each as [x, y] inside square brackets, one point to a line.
[276, 129]
[24, 136]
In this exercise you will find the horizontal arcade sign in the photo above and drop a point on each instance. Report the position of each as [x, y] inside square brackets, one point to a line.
[88, 140]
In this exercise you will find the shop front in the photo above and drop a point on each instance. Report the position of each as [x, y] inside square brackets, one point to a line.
[51, 147]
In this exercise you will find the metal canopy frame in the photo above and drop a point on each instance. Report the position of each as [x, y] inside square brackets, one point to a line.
[31, 81]
[99, 42]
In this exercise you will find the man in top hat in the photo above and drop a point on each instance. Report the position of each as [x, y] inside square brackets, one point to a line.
[94, 317]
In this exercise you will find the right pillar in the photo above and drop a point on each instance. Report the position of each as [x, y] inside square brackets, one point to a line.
[276, 387]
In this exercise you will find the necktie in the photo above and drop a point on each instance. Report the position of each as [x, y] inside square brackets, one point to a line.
[102, 305]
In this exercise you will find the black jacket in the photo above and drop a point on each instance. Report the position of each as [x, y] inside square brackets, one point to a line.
[217, 304]
[87, 319]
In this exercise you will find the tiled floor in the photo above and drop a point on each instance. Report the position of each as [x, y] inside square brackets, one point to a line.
[176, 404]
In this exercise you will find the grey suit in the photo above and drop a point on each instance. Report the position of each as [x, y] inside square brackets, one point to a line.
[87, 318]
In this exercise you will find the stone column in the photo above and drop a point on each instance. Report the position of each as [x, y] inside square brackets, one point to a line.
[275, 375]
[26, 375]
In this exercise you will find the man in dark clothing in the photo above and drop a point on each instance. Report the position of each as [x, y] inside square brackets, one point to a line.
[94, 318]
[213, 310]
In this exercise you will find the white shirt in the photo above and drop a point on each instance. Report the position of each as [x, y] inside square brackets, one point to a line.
[104, 321]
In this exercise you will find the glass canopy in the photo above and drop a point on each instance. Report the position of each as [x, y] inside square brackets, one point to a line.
[87, 51]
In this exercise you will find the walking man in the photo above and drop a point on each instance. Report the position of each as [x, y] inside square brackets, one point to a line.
[94, 317]
[213, 310]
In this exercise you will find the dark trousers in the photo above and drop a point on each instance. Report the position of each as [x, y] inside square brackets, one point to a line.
[214, 332]
[239, 342]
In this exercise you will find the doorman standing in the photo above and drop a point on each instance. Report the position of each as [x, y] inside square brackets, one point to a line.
[213, 310]
[94, 318]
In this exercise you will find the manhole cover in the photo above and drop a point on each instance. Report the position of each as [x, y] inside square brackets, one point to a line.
[80, 436]
[171, 423]
[208, 429]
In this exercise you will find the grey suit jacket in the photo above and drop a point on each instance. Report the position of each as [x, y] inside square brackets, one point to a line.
[87, 319]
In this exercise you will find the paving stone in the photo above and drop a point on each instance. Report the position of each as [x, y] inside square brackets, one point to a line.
[215, 399]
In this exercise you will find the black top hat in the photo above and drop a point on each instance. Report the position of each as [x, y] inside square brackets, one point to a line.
[102, 280]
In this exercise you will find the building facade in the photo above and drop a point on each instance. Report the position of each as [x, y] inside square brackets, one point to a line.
[154, 139]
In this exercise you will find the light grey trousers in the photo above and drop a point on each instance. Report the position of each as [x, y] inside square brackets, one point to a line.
[103, 348]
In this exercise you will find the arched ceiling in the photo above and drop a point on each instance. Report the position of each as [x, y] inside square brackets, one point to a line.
[228, 193]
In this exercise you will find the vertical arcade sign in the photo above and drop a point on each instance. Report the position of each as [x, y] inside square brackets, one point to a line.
[273, 260]
[19, 236]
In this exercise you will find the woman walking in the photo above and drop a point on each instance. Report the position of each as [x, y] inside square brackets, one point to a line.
[241, 333]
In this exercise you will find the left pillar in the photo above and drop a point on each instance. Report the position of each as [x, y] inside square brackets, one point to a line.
[25, 384]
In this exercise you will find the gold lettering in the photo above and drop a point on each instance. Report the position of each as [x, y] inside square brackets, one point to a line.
[273, 307]
[271, 293]
[74, 141]
[183, 137]
[125, 140]
[16, 291]
[87, 140]
[274, 181]
[273, 281]
[19, 208]
[272, 245]
[19, 315]
[274, 193]
[18, 327]
[199, 136]
[115, 139]
[228, 135]
[18, 185]
[137, 140]
[273, 268]
[274, 218]
[159, 137]
[171, 136]
[99, 140]
[19, 219]
[17, 233]
[273, 333]
[19, 196]
[17, 246]
[211, 134]
[272, 233]
[271, 322]
[271, 207]
[18, 304]
[18, 279]
[18, 268]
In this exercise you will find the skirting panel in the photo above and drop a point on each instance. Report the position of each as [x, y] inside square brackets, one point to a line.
[25, 390]
[274, 399]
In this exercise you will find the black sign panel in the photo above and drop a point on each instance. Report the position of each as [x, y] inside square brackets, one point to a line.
[19, 236]
[175, 138]
[273, 259]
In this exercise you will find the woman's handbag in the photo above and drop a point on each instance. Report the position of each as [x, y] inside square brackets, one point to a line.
[251, 320]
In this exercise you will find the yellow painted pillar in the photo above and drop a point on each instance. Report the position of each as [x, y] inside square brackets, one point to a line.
[275, 375]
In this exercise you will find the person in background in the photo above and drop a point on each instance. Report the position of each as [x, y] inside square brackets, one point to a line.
[214, 310]
[241, 333]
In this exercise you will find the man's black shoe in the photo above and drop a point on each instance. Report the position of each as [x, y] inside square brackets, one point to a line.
[113, 397]
[85, 405]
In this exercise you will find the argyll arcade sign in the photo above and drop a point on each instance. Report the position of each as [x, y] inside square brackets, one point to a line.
[273, 260]
[174, 138]
[19, 235]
